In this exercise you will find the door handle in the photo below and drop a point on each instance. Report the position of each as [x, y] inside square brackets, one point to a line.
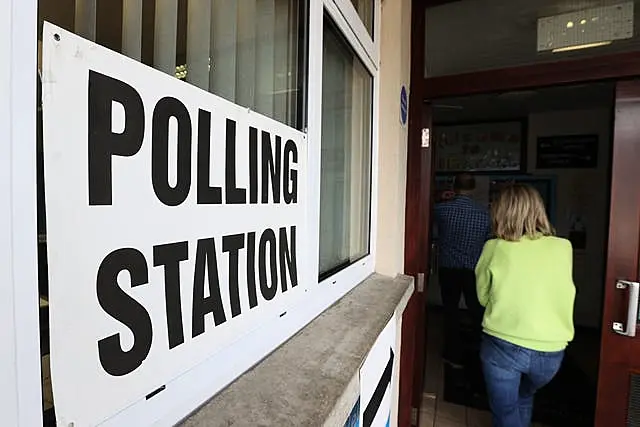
[629, 328]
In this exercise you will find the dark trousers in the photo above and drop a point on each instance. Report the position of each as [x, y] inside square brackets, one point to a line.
[454, 283]
[513, 374]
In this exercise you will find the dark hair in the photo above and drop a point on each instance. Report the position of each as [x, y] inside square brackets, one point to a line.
[464, 182]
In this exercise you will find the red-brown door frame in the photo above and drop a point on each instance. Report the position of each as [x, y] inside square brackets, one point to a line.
[417, 211]
[619, 353]
[419, 170]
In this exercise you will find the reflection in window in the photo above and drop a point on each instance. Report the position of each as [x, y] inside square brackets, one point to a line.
[365, 11]
[346, 155]
[250, 52]
[255, 52]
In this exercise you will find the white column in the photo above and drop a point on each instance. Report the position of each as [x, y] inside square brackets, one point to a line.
[198, 42]
[132, 28]
[165, 33]
[224, 48]
[265, 55]
[85, 19]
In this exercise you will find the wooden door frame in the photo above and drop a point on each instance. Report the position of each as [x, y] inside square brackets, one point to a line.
[625, 217]
[417, 211]
[419, 171]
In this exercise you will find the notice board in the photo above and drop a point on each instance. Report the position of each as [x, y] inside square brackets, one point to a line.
[567, 152]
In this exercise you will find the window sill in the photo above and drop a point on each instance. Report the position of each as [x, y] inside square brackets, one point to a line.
[313, 378]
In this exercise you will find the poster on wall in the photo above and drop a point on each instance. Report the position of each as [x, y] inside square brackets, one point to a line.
[376, 379]
[479, 147]
[175, 224]
[567, 152]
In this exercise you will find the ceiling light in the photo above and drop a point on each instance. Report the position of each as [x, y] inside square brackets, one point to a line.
[581, 46]
[585, 27]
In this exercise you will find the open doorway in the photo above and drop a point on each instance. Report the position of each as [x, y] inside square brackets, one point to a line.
[559, 140]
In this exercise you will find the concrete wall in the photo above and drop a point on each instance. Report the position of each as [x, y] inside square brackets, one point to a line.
[395, 65]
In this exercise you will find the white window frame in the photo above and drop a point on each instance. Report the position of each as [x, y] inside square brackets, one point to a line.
[368, 41]
[345, 17]
[21, 398]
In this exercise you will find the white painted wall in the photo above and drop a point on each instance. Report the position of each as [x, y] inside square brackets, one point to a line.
[395, 66]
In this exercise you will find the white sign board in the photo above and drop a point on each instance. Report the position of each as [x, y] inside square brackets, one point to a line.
[174, 222]
[376, 379]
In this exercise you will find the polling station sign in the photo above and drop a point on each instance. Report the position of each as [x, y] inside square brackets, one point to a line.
[175, 224]
[377, 377]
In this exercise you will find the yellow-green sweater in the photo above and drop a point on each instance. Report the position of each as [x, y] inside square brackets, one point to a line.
[528, 291]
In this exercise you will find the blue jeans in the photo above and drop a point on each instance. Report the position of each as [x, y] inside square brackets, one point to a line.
[513, 374]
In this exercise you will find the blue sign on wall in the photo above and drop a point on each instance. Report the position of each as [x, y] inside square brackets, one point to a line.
[404, 105]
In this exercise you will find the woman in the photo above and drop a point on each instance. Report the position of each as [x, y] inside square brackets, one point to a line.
[524, 279]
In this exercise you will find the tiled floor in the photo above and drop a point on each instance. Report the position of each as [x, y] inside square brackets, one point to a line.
[438, 413]
[435, 412]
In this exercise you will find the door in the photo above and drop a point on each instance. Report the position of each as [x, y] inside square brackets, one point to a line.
[418, 209]
[618, 401]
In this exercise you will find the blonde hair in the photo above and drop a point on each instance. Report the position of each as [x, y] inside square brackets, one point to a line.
[519, 212]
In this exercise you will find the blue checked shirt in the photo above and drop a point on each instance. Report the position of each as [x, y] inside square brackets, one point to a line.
[463, 226]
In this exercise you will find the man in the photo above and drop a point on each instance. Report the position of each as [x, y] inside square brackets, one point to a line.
[463, 227]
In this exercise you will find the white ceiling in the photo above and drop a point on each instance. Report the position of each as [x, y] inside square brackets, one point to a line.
[473, 35]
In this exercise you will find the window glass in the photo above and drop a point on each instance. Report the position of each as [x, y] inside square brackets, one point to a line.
[255, 52]
[250, 52]
[345, 195]
[365, 10]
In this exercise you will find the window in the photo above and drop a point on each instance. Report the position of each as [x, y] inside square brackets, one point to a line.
[251, 52]
[345, 189]
[365, 11]
[255, 52]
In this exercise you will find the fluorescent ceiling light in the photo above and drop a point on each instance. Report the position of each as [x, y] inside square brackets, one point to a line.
[581, 46]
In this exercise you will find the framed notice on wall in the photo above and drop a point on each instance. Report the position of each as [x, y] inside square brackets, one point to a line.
[567, 152]
[495, 146]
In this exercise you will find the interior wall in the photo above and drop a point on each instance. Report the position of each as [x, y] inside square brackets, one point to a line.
[582, 192]
[395, 63]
